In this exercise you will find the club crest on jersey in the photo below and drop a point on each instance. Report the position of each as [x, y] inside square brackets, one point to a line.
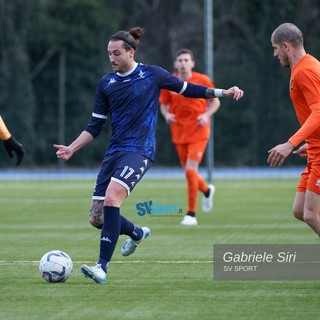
[141, 74]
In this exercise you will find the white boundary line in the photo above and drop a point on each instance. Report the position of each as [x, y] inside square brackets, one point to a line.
[155, 173]
[9, 263]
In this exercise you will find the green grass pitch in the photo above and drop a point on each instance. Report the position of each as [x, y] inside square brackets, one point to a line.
[170, 276]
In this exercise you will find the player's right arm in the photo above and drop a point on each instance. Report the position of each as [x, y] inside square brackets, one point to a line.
[165, 111]
[279, 153]
[308, 85]
[165, 103]
[66, 152]
[93, 128]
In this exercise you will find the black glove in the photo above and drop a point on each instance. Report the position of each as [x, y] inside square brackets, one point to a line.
[12, 145]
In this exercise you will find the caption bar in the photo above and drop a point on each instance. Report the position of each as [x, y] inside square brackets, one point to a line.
[269, 262]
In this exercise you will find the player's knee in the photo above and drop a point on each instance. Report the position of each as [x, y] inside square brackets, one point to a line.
[309, 217]
[308, 220]
[192, 164]
[298, 214]
[190, 172]
[191, 175]
[115, 196]
[297, 210]
[110, 200]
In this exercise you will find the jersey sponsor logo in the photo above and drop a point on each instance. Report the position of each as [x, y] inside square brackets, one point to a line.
[112, 80]
[318, 183]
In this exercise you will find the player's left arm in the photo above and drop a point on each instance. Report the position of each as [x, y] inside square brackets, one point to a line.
[308, 83]
[310, 125]
[167, 81]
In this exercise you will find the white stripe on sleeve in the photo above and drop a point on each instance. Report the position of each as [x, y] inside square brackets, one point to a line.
[183, 88]
[100, 116]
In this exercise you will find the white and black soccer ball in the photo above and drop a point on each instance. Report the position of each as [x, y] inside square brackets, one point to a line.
[55, 266]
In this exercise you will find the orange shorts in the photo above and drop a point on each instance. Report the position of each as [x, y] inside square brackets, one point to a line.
[193, 151]
[310, 178]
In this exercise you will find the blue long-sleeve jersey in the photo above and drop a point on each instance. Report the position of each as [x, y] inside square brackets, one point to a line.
[131, 101]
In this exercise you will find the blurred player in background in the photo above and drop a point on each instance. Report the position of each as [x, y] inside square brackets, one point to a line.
[189, 121]
[304, 87]
[129, 96]
[10, 143]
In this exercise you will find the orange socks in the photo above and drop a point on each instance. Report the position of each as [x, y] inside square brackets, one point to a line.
[195, 183]
[192, 189]
[203, 187]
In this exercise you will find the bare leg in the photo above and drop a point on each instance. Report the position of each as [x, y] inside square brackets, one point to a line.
[191, 170]
[311, 211]
[298, 205]
[96, 214]
[114, 197]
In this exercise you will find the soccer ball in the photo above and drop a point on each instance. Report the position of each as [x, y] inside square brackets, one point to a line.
[56, 266]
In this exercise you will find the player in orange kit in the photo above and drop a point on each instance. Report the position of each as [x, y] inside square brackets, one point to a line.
[10, 143]
[189, 121]
[304, 87]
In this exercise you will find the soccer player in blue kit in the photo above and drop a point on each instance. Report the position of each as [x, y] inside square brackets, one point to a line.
[129, 96]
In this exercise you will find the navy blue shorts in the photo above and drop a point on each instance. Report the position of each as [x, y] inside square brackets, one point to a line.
[125, 168]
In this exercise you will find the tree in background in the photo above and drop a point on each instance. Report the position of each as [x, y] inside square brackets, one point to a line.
[17, 97]
[34, 35]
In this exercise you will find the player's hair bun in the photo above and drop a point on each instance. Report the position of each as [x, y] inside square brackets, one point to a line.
[136, 32]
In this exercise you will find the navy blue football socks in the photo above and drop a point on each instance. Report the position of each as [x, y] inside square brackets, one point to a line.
[109, 235]
[129, 229]
[114, 225]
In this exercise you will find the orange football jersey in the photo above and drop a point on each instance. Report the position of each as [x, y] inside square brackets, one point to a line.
[305, 95]
[186, 128]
